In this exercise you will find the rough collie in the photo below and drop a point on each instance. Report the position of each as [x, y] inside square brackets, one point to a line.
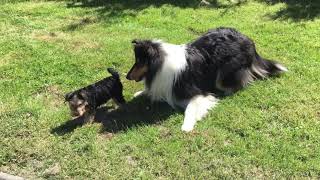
[193, 76]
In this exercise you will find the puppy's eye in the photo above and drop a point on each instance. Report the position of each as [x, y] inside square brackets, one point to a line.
[79, 103]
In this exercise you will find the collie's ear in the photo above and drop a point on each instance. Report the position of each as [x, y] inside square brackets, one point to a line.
[151, 50]
[146, 47]
[135, 41]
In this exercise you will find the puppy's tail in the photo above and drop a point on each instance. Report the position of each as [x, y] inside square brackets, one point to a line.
[262, 68]
[113, 72]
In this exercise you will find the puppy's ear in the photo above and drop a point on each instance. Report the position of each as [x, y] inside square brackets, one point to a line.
[68, 96]
[83, 95]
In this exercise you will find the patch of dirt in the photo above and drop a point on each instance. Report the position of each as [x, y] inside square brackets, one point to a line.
[84, 44]
[53, 90]
[9, 176]
[259, 173]
[3, 61]
[53, 170]
[13, 169]
[227, 142]
[37, 164]
[131, 160]
[51, 95]
[165, 132]
[9, 57]
[3, 108]
[107, 135]
[73, 43]
[48, 36]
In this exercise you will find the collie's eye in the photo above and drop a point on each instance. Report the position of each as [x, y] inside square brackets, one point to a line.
[140, 63]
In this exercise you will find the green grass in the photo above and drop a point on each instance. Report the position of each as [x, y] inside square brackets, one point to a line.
[269, 130]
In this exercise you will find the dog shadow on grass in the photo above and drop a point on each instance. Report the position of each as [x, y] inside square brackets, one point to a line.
[137, 112]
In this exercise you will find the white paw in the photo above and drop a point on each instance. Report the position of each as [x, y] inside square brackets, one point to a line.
[187, 128]
[139, 93]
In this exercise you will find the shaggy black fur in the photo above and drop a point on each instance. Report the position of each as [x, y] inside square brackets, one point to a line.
[221, 62]
[85, 101]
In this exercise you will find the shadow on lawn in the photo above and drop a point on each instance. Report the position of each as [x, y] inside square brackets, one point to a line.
[113, 10]
[140, 4]
[133, 114]
[296, 9]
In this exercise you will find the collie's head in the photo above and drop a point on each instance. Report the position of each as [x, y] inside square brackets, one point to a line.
[147, 58]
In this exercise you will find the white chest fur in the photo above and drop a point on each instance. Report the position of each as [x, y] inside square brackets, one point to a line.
[161, 88]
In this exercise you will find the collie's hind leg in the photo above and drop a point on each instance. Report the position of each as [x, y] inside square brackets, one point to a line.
[196, 109]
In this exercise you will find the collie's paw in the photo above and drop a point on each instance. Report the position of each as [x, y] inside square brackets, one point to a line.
[139, 93]
[186, 128]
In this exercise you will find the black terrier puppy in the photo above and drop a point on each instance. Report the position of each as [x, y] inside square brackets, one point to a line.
[84, 101]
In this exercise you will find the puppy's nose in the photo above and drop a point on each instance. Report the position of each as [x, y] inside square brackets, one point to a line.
[75, 114]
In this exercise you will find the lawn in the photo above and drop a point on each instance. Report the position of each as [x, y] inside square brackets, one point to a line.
[48, 48]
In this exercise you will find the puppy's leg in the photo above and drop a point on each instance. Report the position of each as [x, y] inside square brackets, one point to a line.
[119, 99]
[196, 109]
[89, 116]
[119, 102]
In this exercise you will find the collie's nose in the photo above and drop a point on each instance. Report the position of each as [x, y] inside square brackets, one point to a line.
[128, 77]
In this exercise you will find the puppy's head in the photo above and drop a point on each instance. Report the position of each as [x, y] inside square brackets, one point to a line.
[146, 52]
[78, 103]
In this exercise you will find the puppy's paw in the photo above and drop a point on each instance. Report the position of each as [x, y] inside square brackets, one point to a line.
[139, 93]
[187, 128]
[89, 118]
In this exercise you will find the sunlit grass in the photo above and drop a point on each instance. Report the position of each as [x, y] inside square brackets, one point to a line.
[270, 129]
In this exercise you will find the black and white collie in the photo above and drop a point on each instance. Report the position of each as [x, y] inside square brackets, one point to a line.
[192, 76]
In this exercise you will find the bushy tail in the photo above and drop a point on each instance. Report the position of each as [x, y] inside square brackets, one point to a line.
[113, 72]
[262, 68]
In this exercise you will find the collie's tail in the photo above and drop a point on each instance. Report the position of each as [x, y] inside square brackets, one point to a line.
[262, 68]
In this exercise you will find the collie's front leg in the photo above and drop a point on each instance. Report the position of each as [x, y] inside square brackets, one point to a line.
[139, 93]
[196, 109]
